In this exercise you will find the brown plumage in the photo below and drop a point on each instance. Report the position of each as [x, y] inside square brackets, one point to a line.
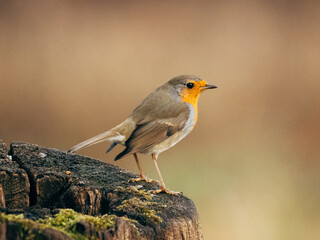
[163, 118]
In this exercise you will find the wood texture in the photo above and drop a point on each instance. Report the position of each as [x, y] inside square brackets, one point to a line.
[39, 181]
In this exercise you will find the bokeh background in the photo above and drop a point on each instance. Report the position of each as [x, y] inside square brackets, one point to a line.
[72, 69]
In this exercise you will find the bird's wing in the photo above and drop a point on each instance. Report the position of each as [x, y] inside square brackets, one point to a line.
[149, 134]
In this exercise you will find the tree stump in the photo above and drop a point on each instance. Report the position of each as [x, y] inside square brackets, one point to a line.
[50, 194]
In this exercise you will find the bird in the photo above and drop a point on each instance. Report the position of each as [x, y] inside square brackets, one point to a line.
[163, 118]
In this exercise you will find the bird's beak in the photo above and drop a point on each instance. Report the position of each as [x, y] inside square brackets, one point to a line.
[208, 86]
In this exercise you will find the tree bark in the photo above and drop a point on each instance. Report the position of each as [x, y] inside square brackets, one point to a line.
[38, 182]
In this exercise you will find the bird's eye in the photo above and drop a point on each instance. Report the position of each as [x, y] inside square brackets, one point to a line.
[190, 85]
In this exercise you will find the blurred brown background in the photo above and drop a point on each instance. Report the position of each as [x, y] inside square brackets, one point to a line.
[72, 69]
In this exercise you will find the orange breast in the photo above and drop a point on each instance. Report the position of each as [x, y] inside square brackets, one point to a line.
[194, 102]
[192, 95]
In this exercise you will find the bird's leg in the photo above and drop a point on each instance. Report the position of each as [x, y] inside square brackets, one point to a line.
[163, 186]
[142, 177]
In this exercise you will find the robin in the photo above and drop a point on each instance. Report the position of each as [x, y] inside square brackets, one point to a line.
[163, 118]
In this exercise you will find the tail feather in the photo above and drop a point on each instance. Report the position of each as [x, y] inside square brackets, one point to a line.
[111, 147]
[96, 139]
[118, 134]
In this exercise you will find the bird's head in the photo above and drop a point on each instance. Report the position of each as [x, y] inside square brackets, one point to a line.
[189, 87]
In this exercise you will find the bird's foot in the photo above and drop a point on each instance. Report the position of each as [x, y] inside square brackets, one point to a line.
[166, 190]
[143, 178]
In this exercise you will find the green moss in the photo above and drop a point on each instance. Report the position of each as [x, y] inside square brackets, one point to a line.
[132, 190]
[65, 221]
[25, 230]
[137, 204]
[67, 218]
[141, 208]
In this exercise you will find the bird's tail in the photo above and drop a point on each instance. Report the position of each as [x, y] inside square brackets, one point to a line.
[118, 134]
[96, 139]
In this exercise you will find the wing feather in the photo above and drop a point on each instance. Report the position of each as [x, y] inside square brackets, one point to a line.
[149, 134]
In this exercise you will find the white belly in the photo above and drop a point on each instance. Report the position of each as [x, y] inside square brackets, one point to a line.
[175, 138]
